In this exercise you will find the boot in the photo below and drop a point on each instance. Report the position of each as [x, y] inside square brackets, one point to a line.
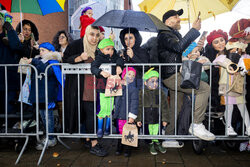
[99, 131]
[127, 151]
[119, 147]
[152, 148]
[107, 128]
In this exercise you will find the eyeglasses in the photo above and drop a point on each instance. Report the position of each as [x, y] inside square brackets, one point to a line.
[62, 37]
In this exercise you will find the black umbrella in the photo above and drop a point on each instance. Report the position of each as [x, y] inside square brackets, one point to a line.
[130, 19]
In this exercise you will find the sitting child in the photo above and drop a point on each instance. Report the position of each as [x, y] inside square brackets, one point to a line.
[47, 56]
[193, 53]
[106, 54]
[151, 108]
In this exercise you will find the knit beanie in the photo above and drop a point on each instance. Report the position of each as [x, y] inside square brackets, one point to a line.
[216, 34]
[48, 46]
[85, 10]
[106, 42]
[189, 49]
[129, 69]
[150, 73]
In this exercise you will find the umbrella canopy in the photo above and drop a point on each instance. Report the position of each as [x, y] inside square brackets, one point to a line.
[130, 19]
[98, 10]
[41, 7]
[208, 8]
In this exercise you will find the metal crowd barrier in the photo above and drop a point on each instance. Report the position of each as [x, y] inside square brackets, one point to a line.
[9, 132]
[81, 69]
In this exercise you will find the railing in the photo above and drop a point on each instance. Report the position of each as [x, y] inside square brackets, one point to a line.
[82, 69]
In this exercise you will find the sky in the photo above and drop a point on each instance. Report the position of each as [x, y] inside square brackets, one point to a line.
[223, 21]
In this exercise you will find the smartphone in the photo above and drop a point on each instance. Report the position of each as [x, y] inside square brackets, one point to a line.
[203, 35]
[199, 14]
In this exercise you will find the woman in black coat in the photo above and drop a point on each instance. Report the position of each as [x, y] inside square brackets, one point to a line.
[28, 37]
[133, 52]
[79, 52]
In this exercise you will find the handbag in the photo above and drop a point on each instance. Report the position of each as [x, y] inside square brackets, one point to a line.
[24, 68]
[238, 84]
[113, 86]
[191, 74]
[130, 135]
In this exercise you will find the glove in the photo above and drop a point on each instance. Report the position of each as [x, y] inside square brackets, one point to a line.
[7, 26]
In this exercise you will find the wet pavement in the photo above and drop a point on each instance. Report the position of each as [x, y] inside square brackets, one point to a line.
[215, 155]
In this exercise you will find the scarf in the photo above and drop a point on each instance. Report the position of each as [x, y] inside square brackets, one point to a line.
[88, 48]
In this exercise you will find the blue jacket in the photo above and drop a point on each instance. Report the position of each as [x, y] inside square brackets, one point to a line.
[8, 56]
[53, 83]
[133, 102]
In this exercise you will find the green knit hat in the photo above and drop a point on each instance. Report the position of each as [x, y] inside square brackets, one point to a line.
[106, 42]
[150, 73]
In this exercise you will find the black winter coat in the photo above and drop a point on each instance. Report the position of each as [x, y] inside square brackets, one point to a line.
[28, 51]
[170, 48]
[100, 59]
[73, 50]
[211, 53]
[8, 56]
[133, 102]
[140, 54]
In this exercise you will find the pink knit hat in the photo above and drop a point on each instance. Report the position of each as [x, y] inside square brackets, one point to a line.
[129, 69]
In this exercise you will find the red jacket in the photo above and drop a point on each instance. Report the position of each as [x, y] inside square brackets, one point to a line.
[85, 21]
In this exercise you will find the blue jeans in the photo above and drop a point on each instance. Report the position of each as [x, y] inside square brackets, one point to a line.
[51, 121]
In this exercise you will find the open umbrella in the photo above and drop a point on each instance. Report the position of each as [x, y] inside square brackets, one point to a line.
[208, 8]
[130, 19]
[41, 7]
[98, 10]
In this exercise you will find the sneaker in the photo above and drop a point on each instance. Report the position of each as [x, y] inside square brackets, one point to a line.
[152, 149]
[172, 144]
[160, 148]
[243, 146]
[230, 131]
[98, 150]
[51, 143]
[248, 131]
[201, 132]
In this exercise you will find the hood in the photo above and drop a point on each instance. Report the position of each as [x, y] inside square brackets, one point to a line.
[138, 38]
[51, 56]
[33, 28]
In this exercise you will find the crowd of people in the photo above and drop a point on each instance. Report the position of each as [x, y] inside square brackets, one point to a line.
[140, 87]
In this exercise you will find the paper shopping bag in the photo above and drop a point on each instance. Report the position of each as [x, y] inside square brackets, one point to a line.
[130, 135]
[113, 86]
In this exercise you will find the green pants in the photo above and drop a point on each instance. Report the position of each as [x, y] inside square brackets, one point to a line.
[106, 105]
[153, 130]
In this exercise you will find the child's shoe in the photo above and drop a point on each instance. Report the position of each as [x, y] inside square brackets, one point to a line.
[51, 143]
[107, 128]
[127, 152]
[248, 131]
[152, 149]
[119, 147]
[230, 131]
[160, 148]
